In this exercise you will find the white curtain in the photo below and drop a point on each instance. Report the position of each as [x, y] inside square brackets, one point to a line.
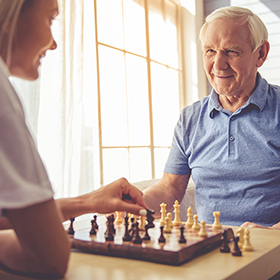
[61, 107]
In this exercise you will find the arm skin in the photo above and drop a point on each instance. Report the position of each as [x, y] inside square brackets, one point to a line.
[117, 196]
[253, 225]
[38, 245]
[170, 188]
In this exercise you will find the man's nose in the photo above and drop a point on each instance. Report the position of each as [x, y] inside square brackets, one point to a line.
[220, 62]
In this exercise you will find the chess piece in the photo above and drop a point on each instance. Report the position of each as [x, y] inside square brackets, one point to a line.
[136, 239]
[247, 245]
[150, 218]
[182, 239]
[177, 221]
[119, 218]
[93, 228]
[195, 225]
[202, 232]
[240, 234]
[95, 222]
[127, 236]
[225, 248]
[168, 223]
[149, 224]
[71, 229]
[142, 223]
[236, 251]
[163, 213]
[147, 236]
[161, 238]
[109, 234]
[216, 224]
[189, 221]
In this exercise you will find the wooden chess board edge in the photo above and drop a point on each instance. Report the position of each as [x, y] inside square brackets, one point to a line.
[162, 256]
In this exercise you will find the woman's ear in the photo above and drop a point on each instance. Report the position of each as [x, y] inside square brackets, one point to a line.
[262, 53]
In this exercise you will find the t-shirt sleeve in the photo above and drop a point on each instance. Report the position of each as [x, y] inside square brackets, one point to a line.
[23, 178]
[177, 162]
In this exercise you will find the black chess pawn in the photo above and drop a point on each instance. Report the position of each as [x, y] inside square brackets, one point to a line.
[127, 236]
[71, 229]
[225, 248]
[236, 250]
[161, 238]
[95, 221]
[131, 230]
[182, 239]
[93, 228]
[136, 239]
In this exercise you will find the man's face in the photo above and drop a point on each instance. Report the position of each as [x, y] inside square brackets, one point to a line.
[229, 62]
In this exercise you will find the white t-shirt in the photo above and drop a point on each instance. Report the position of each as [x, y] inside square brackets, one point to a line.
[23, 178]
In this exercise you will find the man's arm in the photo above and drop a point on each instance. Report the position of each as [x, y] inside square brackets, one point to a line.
[253, 225]
[38, 244]
[170, 188]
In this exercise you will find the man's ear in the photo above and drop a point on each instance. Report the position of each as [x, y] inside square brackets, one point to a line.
[262, 53]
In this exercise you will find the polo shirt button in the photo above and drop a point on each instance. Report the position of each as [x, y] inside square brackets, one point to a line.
[231, 138]
[233, 118]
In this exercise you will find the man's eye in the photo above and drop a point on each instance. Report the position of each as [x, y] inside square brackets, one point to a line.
[232, 52]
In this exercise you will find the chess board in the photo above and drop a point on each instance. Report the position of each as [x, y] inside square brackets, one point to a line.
[171, 252]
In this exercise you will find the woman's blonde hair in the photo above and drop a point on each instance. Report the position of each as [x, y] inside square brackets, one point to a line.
[257, 30]
[9, 13]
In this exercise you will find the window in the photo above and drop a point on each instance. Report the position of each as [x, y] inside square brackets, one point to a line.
[137, 44]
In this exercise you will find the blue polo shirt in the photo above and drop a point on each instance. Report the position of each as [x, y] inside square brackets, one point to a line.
[234, 158]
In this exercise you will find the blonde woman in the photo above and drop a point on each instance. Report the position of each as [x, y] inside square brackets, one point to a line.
[36, 242]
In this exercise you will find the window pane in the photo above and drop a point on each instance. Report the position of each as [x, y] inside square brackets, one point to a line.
[163, 32]
[161, 155]
[110, 22]
[140, 164]
[134, 26]
[138, 106]
[165, 96]
[115, 164]
[113, 97]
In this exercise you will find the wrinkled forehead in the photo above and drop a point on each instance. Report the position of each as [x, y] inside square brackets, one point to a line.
[221, 31]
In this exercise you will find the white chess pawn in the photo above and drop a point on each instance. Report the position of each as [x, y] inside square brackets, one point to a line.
[189, 222]
[195, 225]
[202, 232]
[216, 224]
[163, 213]
[240, 234]
[247, 245]
[168, 223]
[177, 221]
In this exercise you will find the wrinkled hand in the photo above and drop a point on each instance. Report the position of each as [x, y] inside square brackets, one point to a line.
[117, 196]
[253, 225]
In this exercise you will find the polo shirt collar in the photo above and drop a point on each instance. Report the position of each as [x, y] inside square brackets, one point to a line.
[258, 98]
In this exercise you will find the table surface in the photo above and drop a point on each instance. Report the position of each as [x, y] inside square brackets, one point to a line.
[262, 263]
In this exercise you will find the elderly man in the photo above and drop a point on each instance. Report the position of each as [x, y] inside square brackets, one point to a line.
[229, 141]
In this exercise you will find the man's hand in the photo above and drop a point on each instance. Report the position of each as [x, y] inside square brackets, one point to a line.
[253, 225]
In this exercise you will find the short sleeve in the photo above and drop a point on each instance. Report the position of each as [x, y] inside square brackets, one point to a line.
[177, 162]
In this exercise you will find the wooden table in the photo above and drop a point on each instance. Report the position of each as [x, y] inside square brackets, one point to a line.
[262, 263]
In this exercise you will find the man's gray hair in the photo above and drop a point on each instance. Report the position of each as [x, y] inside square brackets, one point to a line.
[257, 30]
